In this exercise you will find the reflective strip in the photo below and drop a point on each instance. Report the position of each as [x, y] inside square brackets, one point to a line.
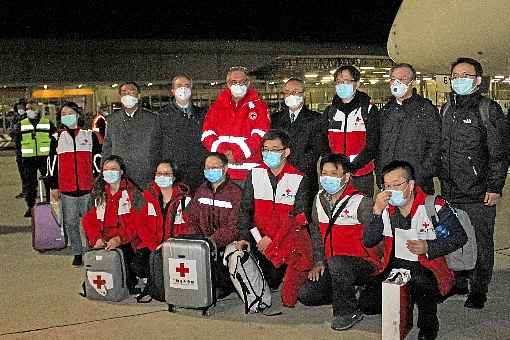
[42, 126]
[94, 162]
[207, 133]
[261, 133]
[26, 127]
[27, 151]
[239, 141]
[251, 105]
[95, 129]
[242, 166]
[215, 203]
[50, 166]
[334, 130]
[44, 149]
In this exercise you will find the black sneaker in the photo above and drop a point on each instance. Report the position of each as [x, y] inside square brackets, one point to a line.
[28, 213]
[428, 333]
[475, 301]
[20, 195]
[77, 261]
[343, 322]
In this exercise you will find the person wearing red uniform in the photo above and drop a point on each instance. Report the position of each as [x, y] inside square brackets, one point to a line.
[339, 215]
[110, 223]
[236, 123]
[274, 203]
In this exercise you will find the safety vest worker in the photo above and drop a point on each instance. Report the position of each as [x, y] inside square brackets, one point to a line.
[35, 137]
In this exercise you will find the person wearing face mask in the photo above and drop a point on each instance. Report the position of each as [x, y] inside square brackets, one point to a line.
[35, 138]
[273, 206]
[410, 129]
[410, 241]
[236, 123]
[303, 126]
[182, 122]
[352, 124]
[214, 212]
[15, 134]
[341, 261]
[474, 165]
[73, 163]
[134, 133]
[110, 222]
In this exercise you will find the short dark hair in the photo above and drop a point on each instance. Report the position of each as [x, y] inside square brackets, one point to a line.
[277, 134]
[175, 169]
[180, 75]
[337, 159]
[218, 155]
[130, 83]
[406, 65]
[297, 80]
[470, 61]
[394, 165]
[355, 73]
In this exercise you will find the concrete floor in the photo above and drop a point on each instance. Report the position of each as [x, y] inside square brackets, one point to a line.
[39, 298]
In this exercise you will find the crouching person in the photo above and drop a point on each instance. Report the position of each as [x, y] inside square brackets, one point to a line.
[110, 222]
[162, 215]
[411, 242]
[214, 212]
[273, 206]
[339, 215]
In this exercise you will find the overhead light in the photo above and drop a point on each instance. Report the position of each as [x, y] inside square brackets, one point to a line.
[367, 68]
[373, 81]
[328, 78]
[418, 72]
[115, 85]
[332, 71]
[499, 77]
[149, 84]
[379, 72]
[387, 80]
[80, 86]
[317, 83]
[45, 86]
[363, 72]
[386, 76]
[387, 68]
[427, 78]
[311, 75]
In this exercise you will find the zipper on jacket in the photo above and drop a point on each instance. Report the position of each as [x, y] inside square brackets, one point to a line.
[346, 115]
[75, 164]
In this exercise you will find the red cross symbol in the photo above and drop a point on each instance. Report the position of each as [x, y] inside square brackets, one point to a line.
[182, 270]
[346, 212]
[253, 115]
[425, 225]
[288, 191]
[99, 282]
[358, 119]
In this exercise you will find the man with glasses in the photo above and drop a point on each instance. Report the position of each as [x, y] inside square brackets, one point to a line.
[307, 140]
[353, 126]
[474, 164]
[410, 129]
[236, 123]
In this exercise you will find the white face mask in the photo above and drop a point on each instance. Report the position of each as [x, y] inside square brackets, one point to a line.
[129, 101]
[238, 91]
[183, 94]
[398, 89]
[293, 102]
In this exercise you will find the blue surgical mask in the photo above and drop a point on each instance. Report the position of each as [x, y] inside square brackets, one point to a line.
[164, 181]
[331, 184]
[398, 89]
[397, 198]
[213, 175]
[69, 120]
[111, 176]
[272, 159]
[463, 86]
[344, 91]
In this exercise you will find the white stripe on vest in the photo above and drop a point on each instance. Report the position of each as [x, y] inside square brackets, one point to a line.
[83, 142]
[124, 206]
[285, 191]
[355, 122]
[348, 217]
[215, 203]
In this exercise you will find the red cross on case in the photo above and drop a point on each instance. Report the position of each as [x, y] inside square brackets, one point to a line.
[182, 270]
[98, 281]
[425, 225]
[346, 212]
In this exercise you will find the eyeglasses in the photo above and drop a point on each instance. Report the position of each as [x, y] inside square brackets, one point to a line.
[345, 81]
[294, 93]
[238, 68]
[235, 82]
[213, 168]
[465, 75]
[394, 186]
[273, 150]
[164, 174]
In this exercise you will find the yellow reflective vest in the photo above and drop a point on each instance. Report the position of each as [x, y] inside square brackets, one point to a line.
[35, 141]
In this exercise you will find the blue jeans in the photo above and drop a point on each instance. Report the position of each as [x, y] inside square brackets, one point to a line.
[73, 209]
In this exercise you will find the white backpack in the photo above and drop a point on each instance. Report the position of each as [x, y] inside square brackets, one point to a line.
[248, 279]
[463, 258]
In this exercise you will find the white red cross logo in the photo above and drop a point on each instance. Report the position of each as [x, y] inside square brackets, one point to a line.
[99, 282]
[182, 270]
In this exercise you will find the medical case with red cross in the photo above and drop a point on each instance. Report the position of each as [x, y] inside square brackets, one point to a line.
[188, 271]
[105, 275]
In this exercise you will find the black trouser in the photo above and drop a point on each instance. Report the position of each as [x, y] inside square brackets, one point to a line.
[482, 218]
[364, 184]
[337, 285]
[425, 293]
[19, 163]
[129, 258]
[139, 264]
[224, 285]
[30, 167]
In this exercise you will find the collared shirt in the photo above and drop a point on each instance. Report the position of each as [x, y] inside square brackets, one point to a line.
[295, 113]
[186, 109]
[130, 115]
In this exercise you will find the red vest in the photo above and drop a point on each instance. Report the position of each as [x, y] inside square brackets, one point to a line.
[346, 237]
[271, 207]
[75, 161]
[350, 139]
[421, 229]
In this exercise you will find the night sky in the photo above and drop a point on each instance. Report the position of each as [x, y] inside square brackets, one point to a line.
[334, 20]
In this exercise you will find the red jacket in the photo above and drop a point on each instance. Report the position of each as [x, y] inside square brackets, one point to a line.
[115, 217]
[216, 214]
[438, 266]
[151, 231]
[237, 128]
[346, 235]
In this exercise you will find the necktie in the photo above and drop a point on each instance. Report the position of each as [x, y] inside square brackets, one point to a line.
[292, 117]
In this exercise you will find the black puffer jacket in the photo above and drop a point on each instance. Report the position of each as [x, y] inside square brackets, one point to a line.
[474, 156]
[411, 132]
[181, 141]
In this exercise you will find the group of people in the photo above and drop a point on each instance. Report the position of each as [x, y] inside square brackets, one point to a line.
[304, 180]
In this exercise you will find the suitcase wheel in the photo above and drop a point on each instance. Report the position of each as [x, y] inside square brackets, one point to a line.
[207, 312]
[171, 308]
[41, 251]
